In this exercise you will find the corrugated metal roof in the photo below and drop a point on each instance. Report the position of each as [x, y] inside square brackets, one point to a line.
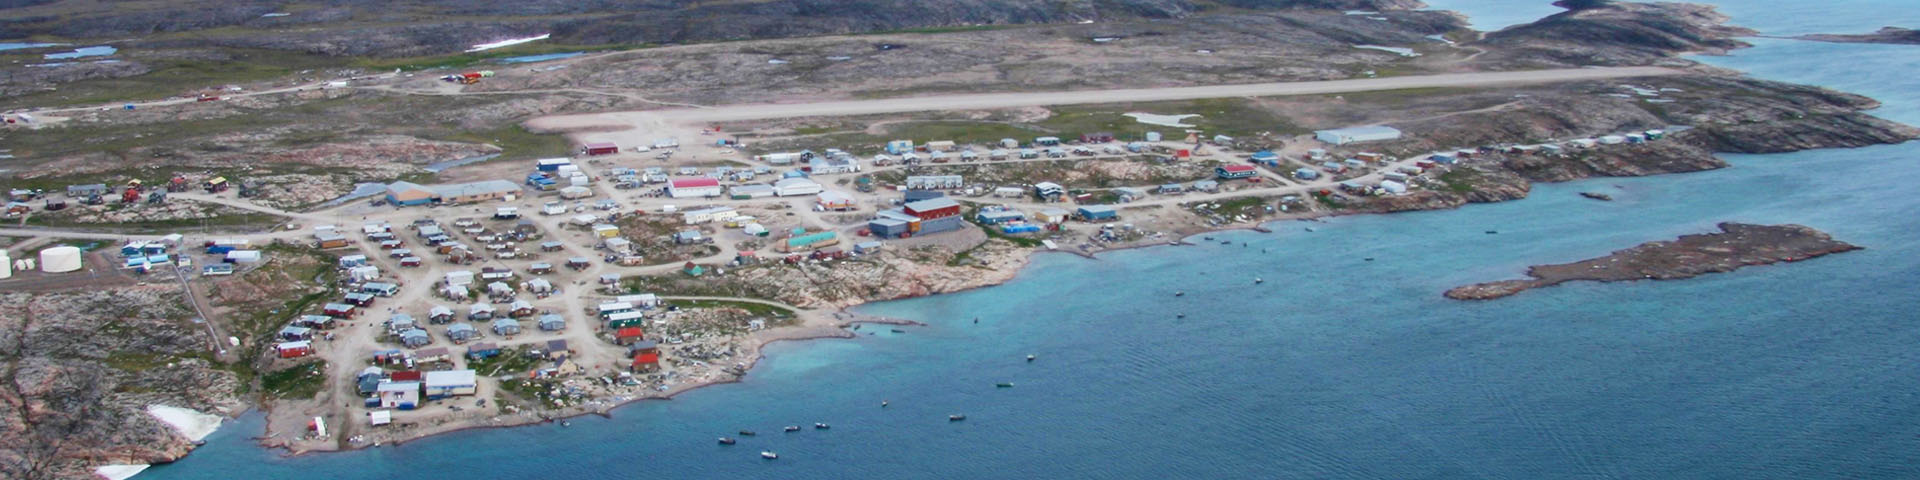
[931, 204]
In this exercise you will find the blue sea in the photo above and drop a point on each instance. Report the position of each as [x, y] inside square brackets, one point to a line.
[1337, 367]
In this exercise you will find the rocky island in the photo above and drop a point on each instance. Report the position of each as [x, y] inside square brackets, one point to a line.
[1736, 246]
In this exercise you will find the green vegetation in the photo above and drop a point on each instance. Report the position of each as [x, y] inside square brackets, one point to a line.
[759, 309]
[515, 142]
[510, 360]
[299, 381]
[472, 59]
[1460, 180]
[173, 75]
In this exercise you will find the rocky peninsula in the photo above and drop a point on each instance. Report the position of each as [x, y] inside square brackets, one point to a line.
[1736, 246]
[1886, 35]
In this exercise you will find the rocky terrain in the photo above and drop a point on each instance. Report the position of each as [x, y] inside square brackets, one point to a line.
[416, 27]
[1887, 35]
[80, 369]
[1736, 246]
[901, 272]
[1606, 32]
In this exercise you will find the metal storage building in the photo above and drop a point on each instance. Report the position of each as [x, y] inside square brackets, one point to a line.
[1343, 136]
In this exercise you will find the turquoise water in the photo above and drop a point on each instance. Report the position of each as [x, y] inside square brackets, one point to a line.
[1337, 367]
[4, 46]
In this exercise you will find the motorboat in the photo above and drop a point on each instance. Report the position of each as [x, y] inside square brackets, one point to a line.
[821, 426]
[746, 433]
[793, 428]
[769, 455]
[726, 440]
[956, 418]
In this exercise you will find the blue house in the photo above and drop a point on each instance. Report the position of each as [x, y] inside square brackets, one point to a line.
[1306, 173]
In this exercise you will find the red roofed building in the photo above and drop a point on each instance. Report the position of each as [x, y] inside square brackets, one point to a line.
[628, 335]
[602, 149]
[646, 362]
[1230, 172]
[693, 188]
[405, 376]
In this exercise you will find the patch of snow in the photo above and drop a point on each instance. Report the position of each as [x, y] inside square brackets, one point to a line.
[1440, 38]
[1361, 12]
[1402, 51]
[1163, 120]
[119, 472]
[508, 43]
[275, 14]
[191, 424]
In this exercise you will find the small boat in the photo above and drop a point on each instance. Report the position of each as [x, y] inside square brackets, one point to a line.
[769, 455]
[896, 330]
[1226, 242]
[1207, 238]
[1309, 229]
[883, 404]
[1182, 315]
[726, 440]
[856, 327]
[1179, 294]
[566, 424]
[821, 426]
[1491, 232]
[746, 433]
[1258, 280]
[956, 418]
[1003, 385]
[793, 428]
[1369, 259]
[1029, 358]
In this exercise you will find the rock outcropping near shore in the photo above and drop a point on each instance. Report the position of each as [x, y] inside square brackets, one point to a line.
[1737, 245]
[1887, 35]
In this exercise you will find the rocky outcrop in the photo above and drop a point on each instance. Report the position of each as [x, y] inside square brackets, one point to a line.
[1597, 32]
[899, 273]
[1886, 35]
[80, 369]
[1736, 246]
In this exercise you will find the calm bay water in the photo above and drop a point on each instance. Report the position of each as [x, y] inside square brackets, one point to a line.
[1338, 367]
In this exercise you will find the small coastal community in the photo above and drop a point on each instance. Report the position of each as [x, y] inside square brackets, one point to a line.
[665, 246]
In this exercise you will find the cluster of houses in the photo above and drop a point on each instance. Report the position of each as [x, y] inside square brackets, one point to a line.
[625, 318]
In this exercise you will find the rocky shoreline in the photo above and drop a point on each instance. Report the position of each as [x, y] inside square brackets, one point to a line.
[1736, 246]
[1886, 35]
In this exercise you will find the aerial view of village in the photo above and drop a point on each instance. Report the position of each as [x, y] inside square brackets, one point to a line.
[378, 227]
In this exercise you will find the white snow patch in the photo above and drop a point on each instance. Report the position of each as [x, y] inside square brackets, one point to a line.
[119, 472]
[1163, 120]
[1404, 52]
[508, 43]
[191, 424]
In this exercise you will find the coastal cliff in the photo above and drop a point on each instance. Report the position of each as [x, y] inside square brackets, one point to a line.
[1736, 246]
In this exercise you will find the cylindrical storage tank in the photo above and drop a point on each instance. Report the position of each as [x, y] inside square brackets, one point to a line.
[60, 259]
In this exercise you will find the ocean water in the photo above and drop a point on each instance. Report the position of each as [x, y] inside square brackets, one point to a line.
[1337, 367]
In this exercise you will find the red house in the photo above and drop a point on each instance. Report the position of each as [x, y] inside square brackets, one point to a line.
[628, 335]
[646, 362]
[294, 349]
[602, 149]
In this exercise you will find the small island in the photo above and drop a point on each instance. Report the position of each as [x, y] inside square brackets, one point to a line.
[1737, 245]
[1886, 35]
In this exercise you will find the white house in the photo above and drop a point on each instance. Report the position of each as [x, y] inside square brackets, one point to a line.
[710, 214]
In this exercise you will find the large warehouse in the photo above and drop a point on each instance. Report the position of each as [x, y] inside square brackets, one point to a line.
[1343, 136]
[693, 188]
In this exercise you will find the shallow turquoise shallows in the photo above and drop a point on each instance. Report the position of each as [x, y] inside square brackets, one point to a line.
[1335, 367]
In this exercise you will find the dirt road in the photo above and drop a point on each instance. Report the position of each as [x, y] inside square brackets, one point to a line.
[601, 123]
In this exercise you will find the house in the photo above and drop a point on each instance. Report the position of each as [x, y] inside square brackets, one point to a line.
[480, 311]
[935, 182]
[294, 349]
[1230, 172]
[646, 362]
[896, 147]
[360, 299]
[380, 288]
[295, 333]
[885, 227]
[940, 146]
[600, 148]
[646, 301]
[540, 285]
[400, 395]
[1051, 215]
[1343, 136]
[1048, 190]
[750, 191]
[1266, 157]
[709, 214]
[557, 349]
[321, 322]
[688, 237]
[788, 187]
[835, 201]
[693, 188]
[430, 355]
[867, 247]
[1094, 213]
[84, 191]
[439, 314]
[1046, 141]
[449, 383]
[339, 310]
[551, 322]
[605, 230]
[551, 164]
[415, 338]
[506, 326]
[611, 308]
[1206, 185]
[1305, 173]
[628, 335]
[483, 350]
[1171, 189]
[1128, 194]
[462, 332]
[833, 164]
[626, 319]
[520, 308]
[404, 193]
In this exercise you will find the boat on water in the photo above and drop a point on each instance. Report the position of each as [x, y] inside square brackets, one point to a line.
[1003, 385]
[746, 433]
[769, 455]
[726, 441]
[821, 426]
[793, 428]
[896, 330]
[956, 418]
[1258, 280]
[883, 403]
[1029, 357]
[1491, 232]
[1179, 294]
